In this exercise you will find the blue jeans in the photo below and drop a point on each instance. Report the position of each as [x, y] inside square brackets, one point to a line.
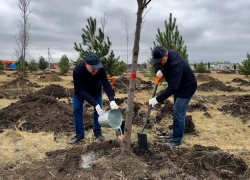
[78, 114]
[180, 110]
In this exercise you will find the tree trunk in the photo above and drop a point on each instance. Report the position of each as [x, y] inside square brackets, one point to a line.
[132, 83]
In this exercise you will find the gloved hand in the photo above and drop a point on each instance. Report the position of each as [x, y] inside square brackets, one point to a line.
[99, 109]
[113, 105]
[159, 74]
[153, 102]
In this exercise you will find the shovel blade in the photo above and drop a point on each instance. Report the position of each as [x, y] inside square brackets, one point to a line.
[142, 142]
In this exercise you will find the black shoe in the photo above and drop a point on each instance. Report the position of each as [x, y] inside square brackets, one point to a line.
[168, 137]
[172, 144]
[77, 139]
[99, 136]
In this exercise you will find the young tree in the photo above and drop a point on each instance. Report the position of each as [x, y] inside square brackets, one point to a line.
[200, 67]
[64, 64]
[23, 37]
[244, 69]
[208, 65]
[21, 65]
[95, 41]
[142, 4]
[171, 38]
[42, 64]
[1, 66]
[33, 66]
[112, 65]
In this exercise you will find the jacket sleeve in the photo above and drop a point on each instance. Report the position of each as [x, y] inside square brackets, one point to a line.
[175, 75]
[106, 85]
[80, 90]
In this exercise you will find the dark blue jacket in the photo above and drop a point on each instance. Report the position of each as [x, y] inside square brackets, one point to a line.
[181, 79]
[87, 85]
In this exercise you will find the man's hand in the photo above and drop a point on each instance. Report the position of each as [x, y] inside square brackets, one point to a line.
[98, 109]
[153, 102]
[159, 74]
[113, 105]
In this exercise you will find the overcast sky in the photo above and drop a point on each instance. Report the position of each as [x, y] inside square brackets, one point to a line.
[212, 30]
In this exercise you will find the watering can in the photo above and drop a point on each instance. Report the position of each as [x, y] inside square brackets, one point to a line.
[112, 119]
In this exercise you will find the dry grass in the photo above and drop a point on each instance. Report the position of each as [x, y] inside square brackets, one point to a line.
[18, 148]
[222, 130]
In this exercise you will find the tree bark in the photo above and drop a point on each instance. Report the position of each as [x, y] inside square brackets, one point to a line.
[130, 104]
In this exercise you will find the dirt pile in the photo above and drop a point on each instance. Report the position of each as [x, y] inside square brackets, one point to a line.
[50, 77]
[239, 108]
[217, 85]
[161, 162]
[204, 78]
[18, 83]
[189, 125]
[197, 107]
[56, 91]
[227, 72]
[122, 85]
[237, 80]
[35, 113]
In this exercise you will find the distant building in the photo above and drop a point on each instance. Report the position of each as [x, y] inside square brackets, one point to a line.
[7, 64]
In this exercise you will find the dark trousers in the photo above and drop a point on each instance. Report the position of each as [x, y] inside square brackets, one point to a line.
[78, 115]
[180, 110]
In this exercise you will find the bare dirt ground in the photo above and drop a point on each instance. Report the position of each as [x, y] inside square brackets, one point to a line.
[37, 124]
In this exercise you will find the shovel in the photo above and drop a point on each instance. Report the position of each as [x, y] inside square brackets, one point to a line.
[142, 138]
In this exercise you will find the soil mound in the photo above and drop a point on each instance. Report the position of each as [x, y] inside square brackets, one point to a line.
[227, 72]
[36, 113]
[56, 91]
[239, 108]
[204, 78]
[197, 107]
[18, 83]
[50, 77]
[161, 162]
[122, 85]
[237, 80]
[217, 85]
[189, 125]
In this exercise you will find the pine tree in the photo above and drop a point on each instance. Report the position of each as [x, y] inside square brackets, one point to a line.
[42, 64]
[112, 65]
[64, 64]
[171, 38]
[1, 66]
[21, 64]
[244, 69]
[33, 66]
[200, 67]
[96, 42]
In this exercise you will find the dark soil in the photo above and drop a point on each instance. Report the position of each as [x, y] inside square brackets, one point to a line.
[240, 107]
[204, 78]
[38, 113]
[122, 85]
[56, 91]
[189, 125]
[161, 162]
[50, 77]
[227, 72]
[19, 83]
[237, 80]
[197, 107]
[217, 85]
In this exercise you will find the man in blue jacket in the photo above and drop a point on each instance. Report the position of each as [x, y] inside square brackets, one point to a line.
[181, 83]
[89, 78]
